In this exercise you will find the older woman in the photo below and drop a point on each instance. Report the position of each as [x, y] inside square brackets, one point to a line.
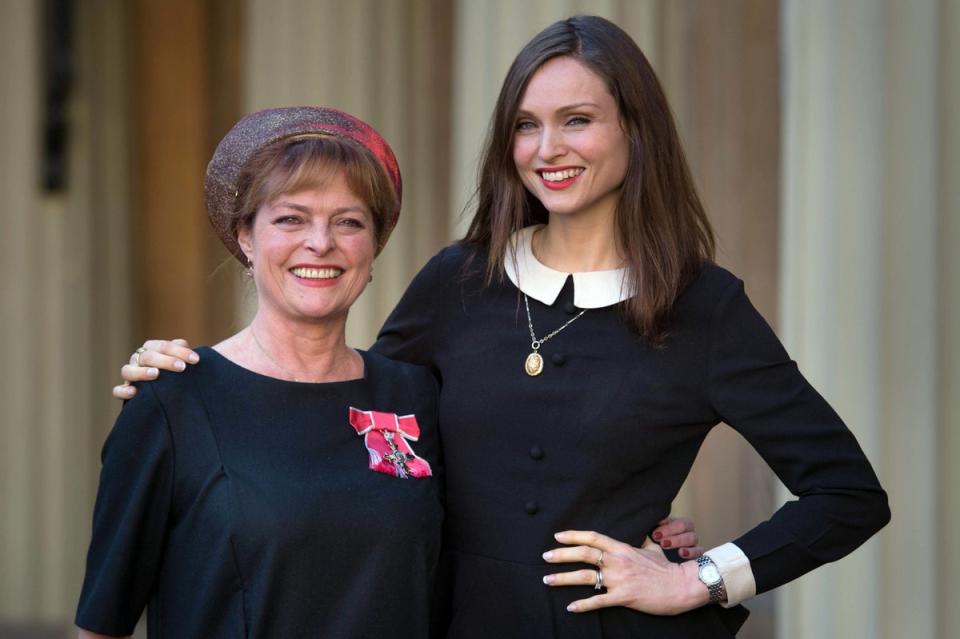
[586, 344]
[286, 486]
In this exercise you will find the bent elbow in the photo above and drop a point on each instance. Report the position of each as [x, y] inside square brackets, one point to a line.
[879, 512]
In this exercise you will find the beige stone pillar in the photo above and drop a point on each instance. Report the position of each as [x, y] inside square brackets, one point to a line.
[387, 63]
[19, 215]
[64, 275]
[869, 232]
[947, 525]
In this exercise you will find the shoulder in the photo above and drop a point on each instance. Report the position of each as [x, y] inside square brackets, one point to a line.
[172, 387]
[707, 300]
[142, 430]
[404, 389]
[712, 286]
[412, 377]
[713, 281]
[178, 397]
[446, 273]
[402, 384]
[457, 258]
[459, 253]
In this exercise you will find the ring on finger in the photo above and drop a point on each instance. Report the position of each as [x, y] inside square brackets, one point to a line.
[600, 560]
[140, 351]
[599, 584]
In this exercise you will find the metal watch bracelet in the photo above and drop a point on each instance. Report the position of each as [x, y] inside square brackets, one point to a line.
[717, 590]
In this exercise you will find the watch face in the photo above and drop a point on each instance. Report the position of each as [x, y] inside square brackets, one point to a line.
[709, 574]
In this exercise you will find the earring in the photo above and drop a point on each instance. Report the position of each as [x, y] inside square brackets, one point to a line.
[371, 275]
[249, 269]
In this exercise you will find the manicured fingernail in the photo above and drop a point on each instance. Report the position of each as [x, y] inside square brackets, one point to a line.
[548, 579]
[684, 552]
[153, 372]
[179, 365]
[572, 607]
[665, 543]
[657, 536]
[548, 555]
[193, 358]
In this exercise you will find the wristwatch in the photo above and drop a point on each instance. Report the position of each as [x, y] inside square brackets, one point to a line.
[709, 574]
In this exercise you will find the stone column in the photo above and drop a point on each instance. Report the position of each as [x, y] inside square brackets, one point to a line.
[869, 293]
[387, 63]
[65, 310]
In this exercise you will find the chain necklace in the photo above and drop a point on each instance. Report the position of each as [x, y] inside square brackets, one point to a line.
[534, 362]
[275, 362]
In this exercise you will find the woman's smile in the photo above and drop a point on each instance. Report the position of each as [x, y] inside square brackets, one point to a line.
[560, 178]
[311, 275]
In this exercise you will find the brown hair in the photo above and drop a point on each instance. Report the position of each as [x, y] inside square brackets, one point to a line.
[662, 228]
[310, 161]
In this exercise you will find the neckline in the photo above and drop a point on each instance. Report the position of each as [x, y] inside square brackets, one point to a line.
[268, 378]
[591, 289]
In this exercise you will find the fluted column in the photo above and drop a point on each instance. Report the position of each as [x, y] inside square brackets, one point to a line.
[868, 304]
[947, 524]
[18, 122]
[387, 63]
[65, 310]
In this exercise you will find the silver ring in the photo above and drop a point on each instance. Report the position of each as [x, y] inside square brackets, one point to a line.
[599, 584]
[600, 561]
[140, 351]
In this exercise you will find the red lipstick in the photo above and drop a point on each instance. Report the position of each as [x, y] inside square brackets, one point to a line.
[555, 185]
[316, 275]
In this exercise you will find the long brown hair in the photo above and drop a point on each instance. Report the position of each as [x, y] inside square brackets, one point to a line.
[661, 225]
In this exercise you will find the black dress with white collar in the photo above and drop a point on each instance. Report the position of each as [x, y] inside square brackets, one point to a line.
[604, 438]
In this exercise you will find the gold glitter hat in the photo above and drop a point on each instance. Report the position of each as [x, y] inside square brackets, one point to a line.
[263, 128]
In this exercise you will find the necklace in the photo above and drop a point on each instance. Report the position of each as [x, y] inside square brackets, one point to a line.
[273, 361]
[534, 362]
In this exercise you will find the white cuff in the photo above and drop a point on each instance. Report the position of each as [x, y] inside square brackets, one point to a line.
[737, 574]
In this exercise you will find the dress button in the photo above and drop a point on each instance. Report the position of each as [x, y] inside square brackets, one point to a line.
[531, 507]
[570, 308]
[558, 359]
[536, 452]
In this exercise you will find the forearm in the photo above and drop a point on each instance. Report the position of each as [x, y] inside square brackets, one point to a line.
[758, 390]
[810, 532]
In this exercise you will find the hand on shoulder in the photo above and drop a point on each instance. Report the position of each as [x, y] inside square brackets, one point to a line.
[147, 361]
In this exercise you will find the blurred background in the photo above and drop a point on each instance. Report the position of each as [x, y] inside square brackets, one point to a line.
[823, 135]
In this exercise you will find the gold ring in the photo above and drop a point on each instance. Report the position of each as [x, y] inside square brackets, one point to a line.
[600, 561]
[140, 351]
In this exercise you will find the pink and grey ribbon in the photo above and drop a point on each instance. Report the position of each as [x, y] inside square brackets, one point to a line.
[387, 437]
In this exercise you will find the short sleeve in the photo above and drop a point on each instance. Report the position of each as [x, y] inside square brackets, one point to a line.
[410, 332]
[758, 390]
[130, 518]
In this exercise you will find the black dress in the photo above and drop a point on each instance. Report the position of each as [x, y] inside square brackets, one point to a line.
[604, 439]
[238, 505]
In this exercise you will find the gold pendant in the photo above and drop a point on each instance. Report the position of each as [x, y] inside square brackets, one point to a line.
[534, 364]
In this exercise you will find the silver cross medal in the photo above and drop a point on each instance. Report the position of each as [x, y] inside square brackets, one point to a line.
[397, 457]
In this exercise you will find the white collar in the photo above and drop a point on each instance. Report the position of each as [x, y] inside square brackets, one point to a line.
[591, 289]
